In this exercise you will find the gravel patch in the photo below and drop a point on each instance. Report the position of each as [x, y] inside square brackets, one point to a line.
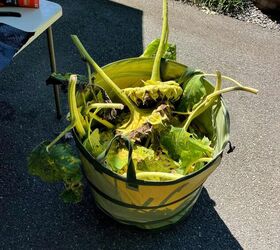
[254, 15]
[251, 15]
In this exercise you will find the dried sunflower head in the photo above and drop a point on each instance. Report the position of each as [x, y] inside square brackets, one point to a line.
[154, 92]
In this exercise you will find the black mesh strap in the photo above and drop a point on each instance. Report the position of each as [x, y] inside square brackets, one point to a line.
[131, 174]
[231, 147]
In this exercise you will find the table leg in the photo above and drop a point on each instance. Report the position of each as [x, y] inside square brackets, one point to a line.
[53, 69]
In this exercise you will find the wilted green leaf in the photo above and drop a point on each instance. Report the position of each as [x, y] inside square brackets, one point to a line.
[98, 141]
[151, 50]
[117, 160]
[141, 154]
[57, 164]
[189, 158]
[92, 143]
[72, 195]
[183, 146]
[144, 159]
[174, 141]
[155, 162]
[63, 79]
[194, 91]
[187, 75]
[42, 164]
[170, 52]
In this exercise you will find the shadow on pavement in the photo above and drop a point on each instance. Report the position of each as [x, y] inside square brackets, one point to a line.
[32, 215]
[203, 228]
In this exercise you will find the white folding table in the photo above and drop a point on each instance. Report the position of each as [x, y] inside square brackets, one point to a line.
[38, 21]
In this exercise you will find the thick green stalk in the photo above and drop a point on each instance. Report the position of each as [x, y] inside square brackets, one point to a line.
[211, 98]
[102, 121]
[226, 78]
[63, 133]
[103, 106]
[198, 110]
[181, 113]
[190, 168]
[219, 81]
[163, 40]
[153, 176]
[204, 159]
[89, 73]
[74, 113]
[108, 81]
[225, 90]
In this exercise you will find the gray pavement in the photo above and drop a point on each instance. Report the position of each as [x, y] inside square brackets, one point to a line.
[239, 206]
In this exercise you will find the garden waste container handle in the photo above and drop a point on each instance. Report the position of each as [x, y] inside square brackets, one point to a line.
[131, 174]
[231, 147]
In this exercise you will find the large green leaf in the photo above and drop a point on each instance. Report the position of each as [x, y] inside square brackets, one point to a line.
[117, 159]
[97, 141]
[92, 143]
[144, 159]
[72, 195]
[194, 92]
[190, 159]
[156, 162]
[174, 141]
[58, 164]
[42, 164]
[185, 147]
[151, 50]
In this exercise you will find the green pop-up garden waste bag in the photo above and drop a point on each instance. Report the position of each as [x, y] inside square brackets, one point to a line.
[150, 204]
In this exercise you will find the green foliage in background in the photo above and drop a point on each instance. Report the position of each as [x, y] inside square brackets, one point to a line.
[222, 6]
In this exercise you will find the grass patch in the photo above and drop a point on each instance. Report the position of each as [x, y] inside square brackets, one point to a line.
[222, 6]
